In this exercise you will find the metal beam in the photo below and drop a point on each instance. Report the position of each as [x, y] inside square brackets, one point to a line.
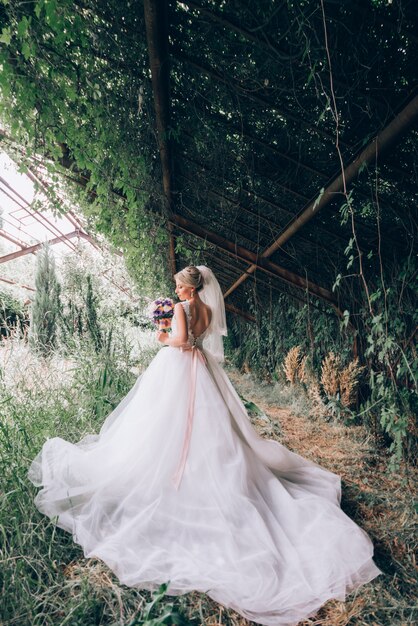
[20, 244]
[156, 22]
[38, 216]
[51, 242]
[287, 190]
[265, 102]
[273, 226]
[296, 162]
[366, 230]
[268, 146]
[243, 254]
[387, 137]
[14, 282]
[373, 150]
[269, 45]
[69, 215]
[233, 309]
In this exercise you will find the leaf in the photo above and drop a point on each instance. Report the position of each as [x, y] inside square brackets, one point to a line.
[337, 282]
[311, 74]
[318, 200]
[346, 318]
[26, 50]
[349, 247]
[253, 408]
[23, 27]
[6, 36]
[362, 167]
[52, 16]
[71, 94]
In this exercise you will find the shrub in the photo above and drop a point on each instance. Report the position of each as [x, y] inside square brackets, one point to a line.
[46, 305]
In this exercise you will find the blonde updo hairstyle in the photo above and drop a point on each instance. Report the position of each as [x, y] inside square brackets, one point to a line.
[191, 277]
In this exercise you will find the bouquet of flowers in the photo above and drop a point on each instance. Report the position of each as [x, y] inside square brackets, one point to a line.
[161, 312]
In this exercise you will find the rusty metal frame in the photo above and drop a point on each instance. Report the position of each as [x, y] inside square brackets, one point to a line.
[242, 253]
[391, 134]
[34, 248]
[155, 12]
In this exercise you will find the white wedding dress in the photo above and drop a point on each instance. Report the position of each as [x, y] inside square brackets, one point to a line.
[255, 526]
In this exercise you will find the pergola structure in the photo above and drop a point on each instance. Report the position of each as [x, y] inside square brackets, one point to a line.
[286, 133]
[260, 172]
[17, 223]
[52, 232]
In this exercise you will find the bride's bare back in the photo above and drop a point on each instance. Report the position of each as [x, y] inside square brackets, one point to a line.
[200, 318]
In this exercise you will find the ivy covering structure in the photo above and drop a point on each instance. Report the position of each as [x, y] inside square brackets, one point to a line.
[274, 141]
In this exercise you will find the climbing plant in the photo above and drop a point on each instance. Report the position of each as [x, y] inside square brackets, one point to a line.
[74, 90]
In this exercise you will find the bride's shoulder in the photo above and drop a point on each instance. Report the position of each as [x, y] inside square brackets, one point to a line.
[182, 308]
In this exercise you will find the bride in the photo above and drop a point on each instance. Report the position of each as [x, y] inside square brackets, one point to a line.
[178, 486]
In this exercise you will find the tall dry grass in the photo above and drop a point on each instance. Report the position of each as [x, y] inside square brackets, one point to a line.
[292, 364]
[337, 384]
[349, 380]
[330, 374]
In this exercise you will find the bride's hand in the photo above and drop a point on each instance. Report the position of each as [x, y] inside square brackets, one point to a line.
[161, 336]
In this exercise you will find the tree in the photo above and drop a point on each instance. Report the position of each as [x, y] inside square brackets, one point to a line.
[92, 323]
[46, 305]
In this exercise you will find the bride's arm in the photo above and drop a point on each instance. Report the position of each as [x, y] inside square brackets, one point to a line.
[180, 338]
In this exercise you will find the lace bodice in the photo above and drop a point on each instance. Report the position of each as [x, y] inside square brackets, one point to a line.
[192, 340]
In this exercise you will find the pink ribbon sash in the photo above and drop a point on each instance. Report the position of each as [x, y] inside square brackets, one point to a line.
[197, 354]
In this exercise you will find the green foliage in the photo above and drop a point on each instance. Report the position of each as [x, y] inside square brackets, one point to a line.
[383, 327]
[158, 612]
[46, 305]
[69, 90]
[385, 315]
[12, 312]
[107, 378]
[45, 579]
[286, 323]
[35, 585]
[391, 358]
[93, 326]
